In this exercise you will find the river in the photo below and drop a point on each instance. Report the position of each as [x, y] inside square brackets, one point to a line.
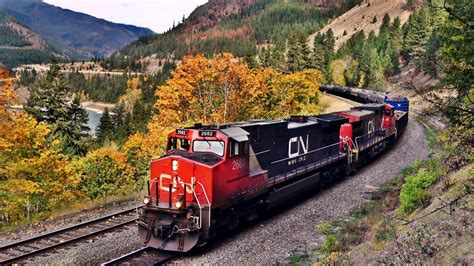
[94, 117]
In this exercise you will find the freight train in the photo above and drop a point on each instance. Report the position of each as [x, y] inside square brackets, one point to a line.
[213, 177]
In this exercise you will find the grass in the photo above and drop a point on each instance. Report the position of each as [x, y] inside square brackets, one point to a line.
[296, 259]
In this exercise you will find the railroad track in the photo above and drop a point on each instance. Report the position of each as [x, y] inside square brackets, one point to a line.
[23, 250]
[143, 256]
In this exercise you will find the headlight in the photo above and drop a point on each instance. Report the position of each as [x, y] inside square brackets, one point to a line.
[146, 200]
[180, 203]
[174, 165]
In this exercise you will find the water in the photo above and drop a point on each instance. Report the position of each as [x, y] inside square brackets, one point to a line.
[94, 119]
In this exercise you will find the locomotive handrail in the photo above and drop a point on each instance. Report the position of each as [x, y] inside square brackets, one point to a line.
[370, 140]
[260, 152]
[208, 204]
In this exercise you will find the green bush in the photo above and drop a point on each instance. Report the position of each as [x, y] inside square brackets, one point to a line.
[414, 192]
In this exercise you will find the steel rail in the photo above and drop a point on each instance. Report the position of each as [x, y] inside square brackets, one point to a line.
[136, 254]
[65, 242]
[73, 227]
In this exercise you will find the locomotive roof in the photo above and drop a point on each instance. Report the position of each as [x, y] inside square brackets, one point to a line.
[236, 133]
[300, 124]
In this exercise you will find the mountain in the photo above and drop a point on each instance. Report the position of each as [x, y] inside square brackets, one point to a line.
[87, 35]
[238, 26]
[21, 45]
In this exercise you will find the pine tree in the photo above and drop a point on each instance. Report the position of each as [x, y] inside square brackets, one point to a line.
[250, 59]
[417, 35]
[265, 57]
[105, 129]
[329, 43]
[319, 52]
[77, 128]
[295, 58]
[48, 98]
[121, 132]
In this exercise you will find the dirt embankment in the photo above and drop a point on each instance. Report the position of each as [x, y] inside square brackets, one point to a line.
[361, 17]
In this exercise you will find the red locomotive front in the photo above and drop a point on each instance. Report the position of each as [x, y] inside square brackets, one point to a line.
[177, 213]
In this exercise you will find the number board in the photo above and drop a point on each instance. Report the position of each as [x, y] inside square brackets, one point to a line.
[181, 131]
[207, 133]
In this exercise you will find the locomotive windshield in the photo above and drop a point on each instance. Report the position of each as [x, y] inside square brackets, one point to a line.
[214, 146]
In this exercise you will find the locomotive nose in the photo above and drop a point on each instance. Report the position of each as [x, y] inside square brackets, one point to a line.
[165, 231]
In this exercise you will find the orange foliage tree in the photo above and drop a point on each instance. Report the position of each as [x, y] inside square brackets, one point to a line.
[219, 90]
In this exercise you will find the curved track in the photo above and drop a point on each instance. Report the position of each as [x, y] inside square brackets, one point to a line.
[23, 250]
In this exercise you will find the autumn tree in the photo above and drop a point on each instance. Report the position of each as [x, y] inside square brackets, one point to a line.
[34, 175]
[103, 173]
[336, 70]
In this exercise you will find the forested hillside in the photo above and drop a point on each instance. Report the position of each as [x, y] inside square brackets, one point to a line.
[65, 29]
[232, 26]
[19, 44]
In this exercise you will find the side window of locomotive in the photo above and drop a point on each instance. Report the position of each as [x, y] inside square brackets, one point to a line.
[238, 148]
[178, 144]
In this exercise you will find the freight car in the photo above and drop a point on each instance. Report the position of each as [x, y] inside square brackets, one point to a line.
[399, 103]
[214, 177]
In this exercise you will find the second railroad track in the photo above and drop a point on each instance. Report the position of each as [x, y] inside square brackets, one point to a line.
[25, 249]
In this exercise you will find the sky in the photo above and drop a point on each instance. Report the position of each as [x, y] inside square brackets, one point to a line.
[158, 15]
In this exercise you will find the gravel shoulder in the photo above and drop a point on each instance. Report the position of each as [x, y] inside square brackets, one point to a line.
[274, 239]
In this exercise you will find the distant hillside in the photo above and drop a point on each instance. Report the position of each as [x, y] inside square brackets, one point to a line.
[361, 17]
[238, 26]
[20, 45]
[85, 34]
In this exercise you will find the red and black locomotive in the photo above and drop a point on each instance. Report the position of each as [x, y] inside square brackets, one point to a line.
[214, 177]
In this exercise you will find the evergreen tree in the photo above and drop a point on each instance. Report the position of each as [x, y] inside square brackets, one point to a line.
[319, 52]
[105, 129]
[76, 130]
[295, 57]
[417, 35]
[385, 23]
[250, 59]
[48, 98]
[121, 132]
[265, 57]
[329, 44]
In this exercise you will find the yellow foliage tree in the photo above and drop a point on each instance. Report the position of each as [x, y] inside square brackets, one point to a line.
[336, 70]
[33, 174]
[132, 94]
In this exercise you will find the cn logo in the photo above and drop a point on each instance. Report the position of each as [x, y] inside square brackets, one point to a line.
[174, 182]
[296, 146]
[370, 127]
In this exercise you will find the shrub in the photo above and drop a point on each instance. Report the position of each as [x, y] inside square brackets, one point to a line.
[414, 192]
[103, 173]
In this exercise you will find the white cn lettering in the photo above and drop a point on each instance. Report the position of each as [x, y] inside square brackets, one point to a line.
[370, 127]
[301, 143]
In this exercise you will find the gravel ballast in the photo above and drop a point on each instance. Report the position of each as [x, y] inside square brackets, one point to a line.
[274, 239]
